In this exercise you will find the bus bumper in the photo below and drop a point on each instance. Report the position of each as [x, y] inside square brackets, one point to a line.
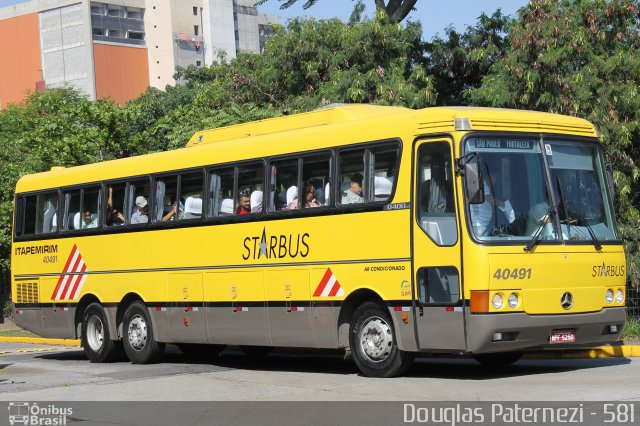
[523, 332]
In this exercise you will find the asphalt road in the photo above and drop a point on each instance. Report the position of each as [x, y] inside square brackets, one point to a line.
[49, 373]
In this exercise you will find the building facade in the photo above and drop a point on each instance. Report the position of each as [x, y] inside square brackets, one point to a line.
[118, 48]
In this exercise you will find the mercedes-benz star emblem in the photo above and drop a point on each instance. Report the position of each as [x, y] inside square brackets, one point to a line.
[566, 301]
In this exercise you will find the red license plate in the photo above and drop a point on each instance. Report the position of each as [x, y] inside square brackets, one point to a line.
[562, 336]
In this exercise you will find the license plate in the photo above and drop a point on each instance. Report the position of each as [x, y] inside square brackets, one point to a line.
[562, 336]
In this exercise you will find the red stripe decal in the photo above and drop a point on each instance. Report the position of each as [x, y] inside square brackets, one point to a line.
[78, 280]
[335, 289]
[323, 282]
[66, 267]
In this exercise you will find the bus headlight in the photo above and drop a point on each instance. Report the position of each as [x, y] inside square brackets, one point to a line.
[608, 297]
[619, 296]
[496, 300]
[513, 300]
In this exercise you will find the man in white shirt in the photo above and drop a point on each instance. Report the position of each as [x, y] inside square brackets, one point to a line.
[141, 214]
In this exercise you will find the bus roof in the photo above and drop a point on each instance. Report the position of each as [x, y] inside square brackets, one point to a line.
[318, 129]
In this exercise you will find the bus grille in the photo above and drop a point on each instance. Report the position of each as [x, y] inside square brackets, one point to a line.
[27, 293]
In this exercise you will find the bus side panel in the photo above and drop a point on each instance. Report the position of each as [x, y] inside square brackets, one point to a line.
[57, 320]
[289, 311]
[238, 316]
[325, 317]
[30, 319]
[186, 317]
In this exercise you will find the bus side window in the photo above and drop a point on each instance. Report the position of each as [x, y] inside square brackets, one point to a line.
[436, 211]
[367, 175]
[284, 184]
[71, 215]
[352, 182]
[165, 196]
[250, 182]
[90, 208]
[138, 202]
[39, 214]
[30, 213]
[114, 213]
[316, 174]
[191, 185]
[221, 193]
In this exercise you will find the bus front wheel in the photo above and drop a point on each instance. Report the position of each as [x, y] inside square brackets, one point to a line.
[96, 340]
[139, 342]
[373, 343]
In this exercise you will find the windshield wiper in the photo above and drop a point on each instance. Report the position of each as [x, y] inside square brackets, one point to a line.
[594, 239]
[536, 236]
[565, 206]
[579, 219]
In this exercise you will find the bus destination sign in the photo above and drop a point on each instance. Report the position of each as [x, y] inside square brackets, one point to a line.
[504, 144]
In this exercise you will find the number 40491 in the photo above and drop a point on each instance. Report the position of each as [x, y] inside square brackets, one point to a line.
[512, 274]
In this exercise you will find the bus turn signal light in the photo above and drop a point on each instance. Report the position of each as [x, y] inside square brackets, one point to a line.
[479, 301]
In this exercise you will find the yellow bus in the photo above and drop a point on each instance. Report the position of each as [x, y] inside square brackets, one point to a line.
[381, 230]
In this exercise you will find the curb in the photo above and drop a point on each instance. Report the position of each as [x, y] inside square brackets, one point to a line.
[595, 352]
[40, 341]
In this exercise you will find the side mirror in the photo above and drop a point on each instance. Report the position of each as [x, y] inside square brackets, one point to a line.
[612, 186]
[473, 183]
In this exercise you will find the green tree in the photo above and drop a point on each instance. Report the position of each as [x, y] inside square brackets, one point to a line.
[580, 57]
[396, 10]
[458, 62]
[309, 63]
[59, 127]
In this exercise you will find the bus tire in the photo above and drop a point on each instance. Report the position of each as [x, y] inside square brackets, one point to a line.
[96, 340]
[139, 343]
[200, 352]
[498, 360]
[373, 343]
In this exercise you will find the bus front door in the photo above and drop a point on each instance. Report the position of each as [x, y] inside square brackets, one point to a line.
[439, 305]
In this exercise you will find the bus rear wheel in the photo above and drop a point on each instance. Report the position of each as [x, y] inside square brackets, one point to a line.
[139, 343]
[373, 343]
[498, 360]
[96, 340]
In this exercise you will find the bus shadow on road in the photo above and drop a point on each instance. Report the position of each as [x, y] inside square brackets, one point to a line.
[334, 362]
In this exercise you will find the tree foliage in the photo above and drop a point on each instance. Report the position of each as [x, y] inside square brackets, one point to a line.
[56, 128]
[458, 62]
[396, 10]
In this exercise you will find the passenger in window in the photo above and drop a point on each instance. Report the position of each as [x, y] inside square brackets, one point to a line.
[244, 204]
[176, 212]
[309, 199]
[353, 195]
[89, 220]
[114, 217]
[141, 215]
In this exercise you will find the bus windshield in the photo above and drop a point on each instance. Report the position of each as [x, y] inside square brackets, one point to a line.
[518, 201]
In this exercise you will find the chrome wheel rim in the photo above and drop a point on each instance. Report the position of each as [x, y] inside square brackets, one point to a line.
[137, 332]
[376, 339]
[95, 333]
